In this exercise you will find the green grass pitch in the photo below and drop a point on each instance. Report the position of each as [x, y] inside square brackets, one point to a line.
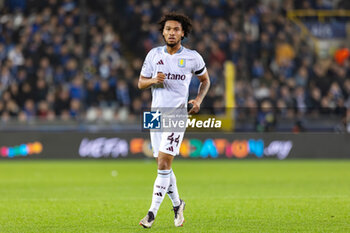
[221, 196]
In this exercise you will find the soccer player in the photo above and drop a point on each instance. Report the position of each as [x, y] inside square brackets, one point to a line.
[168, 71]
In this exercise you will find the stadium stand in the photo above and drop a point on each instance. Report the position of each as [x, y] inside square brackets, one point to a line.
[62, 61]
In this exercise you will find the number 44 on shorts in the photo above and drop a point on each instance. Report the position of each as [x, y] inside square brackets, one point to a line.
[172, 139]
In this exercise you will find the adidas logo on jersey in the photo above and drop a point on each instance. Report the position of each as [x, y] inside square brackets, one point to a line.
[170, 148]
[158, 194]
[160, 62]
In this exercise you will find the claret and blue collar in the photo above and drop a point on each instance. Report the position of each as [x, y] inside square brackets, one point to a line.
[178, 51]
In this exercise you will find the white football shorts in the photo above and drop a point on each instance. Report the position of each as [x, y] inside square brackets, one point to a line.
[166, 142]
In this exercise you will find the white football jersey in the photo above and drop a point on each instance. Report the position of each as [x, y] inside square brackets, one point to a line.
[178, 69]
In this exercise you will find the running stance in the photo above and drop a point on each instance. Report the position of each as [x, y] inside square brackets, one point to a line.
[168, 71]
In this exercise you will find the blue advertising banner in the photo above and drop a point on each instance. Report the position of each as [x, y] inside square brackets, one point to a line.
[61, 145]
[329, 30]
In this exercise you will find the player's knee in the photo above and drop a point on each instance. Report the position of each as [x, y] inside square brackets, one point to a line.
[164, 161]
[164, 164]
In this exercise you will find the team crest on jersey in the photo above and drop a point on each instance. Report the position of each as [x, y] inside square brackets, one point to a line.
[181, 63]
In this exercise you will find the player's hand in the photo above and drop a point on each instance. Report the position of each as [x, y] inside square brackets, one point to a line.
[159, 79]
[195, 106]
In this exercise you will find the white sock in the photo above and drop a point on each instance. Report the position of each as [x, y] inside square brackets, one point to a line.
[172, 190]
[159, 189]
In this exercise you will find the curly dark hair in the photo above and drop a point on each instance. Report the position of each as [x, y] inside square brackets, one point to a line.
[186, 23]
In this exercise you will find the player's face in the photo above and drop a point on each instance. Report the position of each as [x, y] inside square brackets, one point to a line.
[172, 32]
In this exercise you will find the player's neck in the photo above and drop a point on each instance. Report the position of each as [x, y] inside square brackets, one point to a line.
[173, 50]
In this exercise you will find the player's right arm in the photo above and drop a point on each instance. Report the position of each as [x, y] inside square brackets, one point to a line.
[145, 79]
[147, 82]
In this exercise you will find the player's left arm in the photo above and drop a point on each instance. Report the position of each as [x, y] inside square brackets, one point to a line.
[202, 91]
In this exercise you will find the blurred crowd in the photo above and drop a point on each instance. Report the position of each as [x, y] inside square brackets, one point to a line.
[51, 69]
[58, 62]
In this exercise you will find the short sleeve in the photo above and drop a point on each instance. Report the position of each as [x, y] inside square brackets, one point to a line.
[199, 67]
[147, 69]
